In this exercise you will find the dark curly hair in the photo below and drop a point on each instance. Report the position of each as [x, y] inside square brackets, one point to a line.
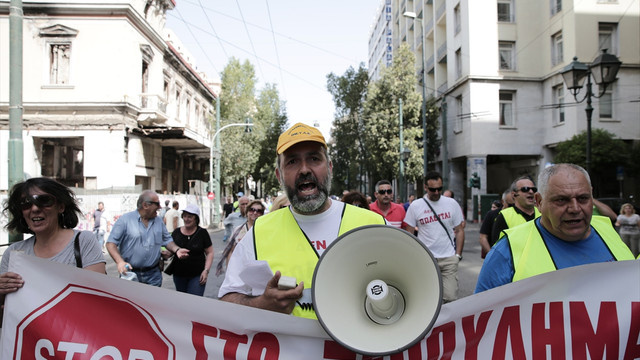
[64, 196]
[356, 197]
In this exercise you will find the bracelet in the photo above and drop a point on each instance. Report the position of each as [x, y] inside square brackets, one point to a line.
[178, 249]
[207, 270]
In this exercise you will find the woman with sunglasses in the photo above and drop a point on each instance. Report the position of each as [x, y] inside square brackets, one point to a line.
[190, 273]
[48, 210]
[255, 209]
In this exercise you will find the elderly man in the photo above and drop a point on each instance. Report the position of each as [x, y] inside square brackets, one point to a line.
[136, 239]
[384, 205]
[291, 240]
[565, 235]
[524, 208]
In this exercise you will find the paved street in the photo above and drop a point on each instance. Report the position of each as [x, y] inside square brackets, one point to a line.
[467, 272]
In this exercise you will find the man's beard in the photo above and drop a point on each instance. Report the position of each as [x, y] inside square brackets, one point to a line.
[309, 204]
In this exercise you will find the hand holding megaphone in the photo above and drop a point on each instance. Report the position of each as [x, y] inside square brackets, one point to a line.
[277, 299]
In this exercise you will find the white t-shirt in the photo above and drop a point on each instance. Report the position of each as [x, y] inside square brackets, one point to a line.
[169, 216]
[430, 232]
[321, 229]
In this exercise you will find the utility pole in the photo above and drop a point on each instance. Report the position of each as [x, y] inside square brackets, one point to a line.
[16, 147]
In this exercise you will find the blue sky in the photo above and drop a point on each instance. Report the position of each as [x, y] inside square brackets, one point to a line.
[292, 43]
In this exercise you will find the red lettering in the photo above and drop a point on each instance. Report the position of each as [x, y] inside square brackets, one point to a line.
[633, 345]
[473, 334]
[321, 245]
[414, 353]
[335, 351]
[448, 332]
[541, 336]
[264, 342]
[198, 332]
[509, 328]
[605, 338]
[232, 341]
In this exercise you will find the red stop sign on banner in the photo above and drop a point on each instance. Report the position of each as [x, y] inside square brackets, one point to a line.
[82, 324]
[211, 195]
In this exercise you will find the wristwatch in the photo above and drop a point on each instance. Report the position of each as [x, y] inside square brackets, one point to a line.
[459, 256]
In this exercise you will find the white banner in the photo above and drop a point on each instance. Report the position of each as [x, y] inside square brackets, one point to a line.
[590, 311]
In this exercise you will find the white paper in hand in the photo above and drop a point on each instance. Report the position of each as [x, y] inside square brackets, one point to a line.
[256, 275]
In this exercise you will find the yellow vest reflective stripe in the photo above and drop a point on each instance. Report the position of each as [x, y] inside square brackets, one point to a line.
[530, 254]
[513, 219]
[279, 240]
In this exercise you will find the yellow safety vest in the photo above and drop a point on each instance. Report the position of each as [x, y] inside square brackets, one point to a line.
[531, 256]
[513, 219]
[279, 240]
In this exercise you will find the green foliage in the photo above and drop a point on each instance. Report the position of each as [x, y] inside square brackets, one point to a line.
[607, 153]
[381, 111]
[271, 121]
[237, 104]
[347, 148]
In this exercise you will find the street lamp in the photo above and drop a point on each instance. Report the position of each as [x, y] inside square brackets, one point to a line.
[215, 149]
[604, 69]
[412, 15]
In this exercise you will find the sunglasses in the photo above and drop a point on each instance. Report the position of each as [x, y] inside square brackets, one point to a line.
[439, 189]
[259, 211]
[156, 203]
[527, 188]
[244, 204]
[388, 192]
[41, 201]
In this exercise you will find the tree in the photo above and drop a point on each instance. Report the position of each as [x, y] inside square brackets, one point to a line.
[237, 105]
[270, 122]
[607, 153]
[382, 121]
[347, 148]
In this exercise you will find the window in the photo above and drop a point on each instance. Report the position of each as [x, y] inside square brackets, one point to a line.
[457, 20]
[607, 37]
[57, 40]
[556, 49]
[558, 101]
[458, 63]
[507, 55]
[505, 11]
[506, 108]
[556, 6]
[59, 63]
[457, 126]
[605, 105]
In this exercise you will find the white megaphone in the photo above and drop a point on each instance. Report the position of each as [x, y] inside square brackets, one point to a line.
[377, 290]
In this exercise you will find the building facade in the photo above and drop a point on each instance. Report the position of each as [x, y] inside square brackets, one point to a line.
[495, 67]
[110, 97]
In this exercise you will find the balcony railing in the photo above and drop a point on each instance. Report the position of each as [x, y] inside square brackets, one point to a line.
[153, 108]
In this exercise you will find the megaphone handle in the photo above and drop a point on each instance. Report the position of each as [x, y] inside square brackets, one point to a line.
[287, 283]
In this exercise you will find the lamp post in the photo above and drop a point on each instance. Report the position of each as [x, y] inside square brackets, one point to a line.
[604, 69]
[215, 150]
[412, 15]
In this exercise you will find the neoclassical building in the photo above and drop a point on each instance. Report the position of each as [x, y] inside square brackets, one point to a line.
[111, 98]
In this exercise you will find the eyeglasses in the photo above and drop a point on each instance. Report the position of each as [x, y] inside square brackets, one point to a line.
[41, 201]
[388, 192]
[527, 188]
[439, 189]
[156, 203]
[259, 211]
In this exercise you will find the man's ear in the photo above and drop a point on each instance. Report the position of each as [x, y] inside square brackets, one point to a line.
[538, 199]
[278, 175]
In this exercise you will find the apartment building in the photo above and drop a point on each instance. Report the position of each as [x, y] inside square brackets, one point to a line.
[496, 65]
[111, 99]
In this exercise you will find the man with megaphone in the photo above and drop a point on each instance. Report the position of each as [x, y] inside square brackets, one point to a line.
[290, 241]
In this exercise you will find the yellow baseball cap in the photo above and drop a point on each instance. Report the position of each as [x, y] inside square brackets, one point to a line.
[299, 133]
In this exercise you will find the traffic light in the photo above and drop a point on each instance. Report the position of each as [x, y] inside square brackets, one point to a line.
[474, 181]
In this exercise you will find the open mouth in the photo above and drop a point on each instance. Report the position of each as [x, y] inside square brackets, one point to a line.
[307, 188]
